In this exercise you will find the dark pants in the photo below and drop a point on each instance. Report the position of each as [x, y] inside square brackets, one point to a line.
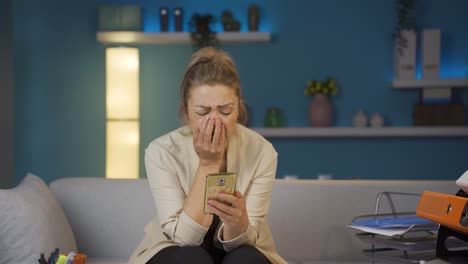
[174, 255]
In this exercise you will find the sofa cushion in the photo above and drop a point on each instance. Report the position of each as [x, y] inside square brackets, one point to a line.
[108, 216]
[32, 222]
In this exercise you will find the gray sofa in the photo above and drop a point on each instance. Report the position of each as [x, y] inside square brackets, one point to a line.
[308, 218]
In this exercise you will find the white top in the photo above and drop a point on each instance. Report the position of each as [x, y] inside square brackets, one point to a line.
[171, 164]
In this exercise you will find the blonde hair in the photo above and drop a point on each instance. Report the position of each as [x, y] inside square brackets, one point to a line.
[209, 66]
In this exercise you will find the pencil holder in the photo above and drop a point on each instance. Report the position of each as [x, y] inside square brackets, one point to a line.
[79, 259]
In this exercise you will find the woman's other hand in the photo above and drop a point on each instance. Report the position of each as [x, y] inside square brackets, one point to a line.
[210, 142]
[232, 213]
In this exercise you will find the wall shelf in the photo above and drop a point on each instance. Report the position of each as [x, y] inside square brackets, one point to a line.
[410, 84]
[135, 37]
[297, 132]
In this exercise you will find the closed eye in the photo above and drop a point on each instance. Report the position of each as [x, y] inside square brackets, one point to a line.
[226, 109]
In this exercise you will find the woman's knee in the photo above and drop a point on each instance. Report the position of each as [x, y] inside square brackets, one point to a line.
[245, 254]
[177, 255]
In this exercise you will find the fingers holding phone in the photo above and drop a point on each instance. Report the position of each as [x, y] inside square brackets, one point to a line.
[228, 205]
[232, 212]
[217, 183]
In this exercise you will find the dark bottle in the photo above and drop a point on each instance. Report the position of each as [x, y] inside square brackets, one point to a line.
[163, 19]
[178, 19]
[253, 17]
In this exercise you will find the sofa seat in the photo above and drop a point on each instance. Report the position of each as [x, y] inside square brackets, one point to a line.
[309, 218]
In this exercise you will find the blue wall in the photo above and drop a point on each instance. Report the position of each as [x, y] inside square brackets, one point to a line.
[60, 84]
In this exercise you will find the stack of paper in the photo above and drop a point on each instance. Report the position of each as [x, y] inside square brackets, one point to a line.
[391, 226]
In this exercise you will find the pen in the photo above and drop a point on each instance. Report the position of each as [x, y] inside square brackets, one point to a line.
[50, 258]
[42, 259]
[53, 256]
[70, 257]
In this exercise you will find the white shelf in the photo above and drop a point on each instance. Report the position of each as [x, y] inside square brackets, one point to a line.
[441, 83]
[135, 37]
[459, 131]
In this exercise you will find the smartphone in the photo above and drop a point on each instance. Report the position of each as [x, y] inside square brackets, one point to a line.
[224, 182]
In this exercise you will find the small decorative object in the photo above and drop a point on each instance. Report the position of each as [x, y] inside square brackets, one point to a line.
[253, 17]
[273, 117]
[377, 120]
[178, 19]
[229, 22]
[164, 19]
[404, 37]
[320, 109]
[290, 177]
[120, 18]
[323, 176]
[201, 33]
[360, 119]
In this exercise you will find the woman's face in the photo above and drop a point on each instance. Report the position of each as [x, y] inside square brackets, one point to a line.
[217, 101]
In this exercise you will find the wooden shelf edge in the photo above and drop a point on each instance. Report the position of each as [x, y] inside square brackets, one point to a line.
[441, 83]
[458, 131]
[135, 37]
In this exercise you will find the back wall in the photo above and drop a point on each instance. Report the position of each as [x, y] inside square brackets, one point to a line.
[60, 84]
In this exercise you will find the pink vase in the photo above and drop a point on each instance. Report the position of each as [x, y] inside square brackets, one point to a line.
[320, 111]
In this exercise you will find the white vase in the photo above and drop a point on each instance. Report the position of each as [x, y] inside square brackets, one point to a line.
[431, 68]
[405, 56]
[431, 54]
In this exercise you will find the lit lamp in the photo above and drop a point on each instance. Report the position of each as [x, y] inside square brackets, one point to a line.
[122, 109]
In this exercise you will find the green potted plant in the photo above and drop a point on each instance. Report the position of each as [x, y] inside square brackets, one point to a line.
[320, 108]
[201, 33]
[404, 38]
[405, 22]
[327, 87]
[229, 22]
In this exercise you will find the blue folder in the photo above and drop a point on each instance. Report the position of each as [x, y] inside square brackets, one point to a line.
[389, 222]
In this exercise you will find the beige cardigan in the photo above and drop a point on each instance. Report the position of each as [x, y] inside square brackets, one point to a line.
[171, 164]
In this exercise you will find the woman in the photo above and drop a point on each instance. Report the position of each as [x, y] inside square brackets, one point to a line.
[214, 140]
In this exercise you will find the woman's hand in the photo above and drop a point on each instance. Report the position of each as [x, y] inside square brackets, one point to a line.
[232, 212]
[210, 141]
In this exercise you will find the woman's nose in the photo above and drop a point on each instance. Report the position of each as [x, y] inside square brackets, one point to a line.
[215, 114]
[217, 117]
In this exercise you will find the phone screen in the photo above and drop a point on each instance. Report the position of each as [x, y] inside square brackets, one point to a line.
[224, 182]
